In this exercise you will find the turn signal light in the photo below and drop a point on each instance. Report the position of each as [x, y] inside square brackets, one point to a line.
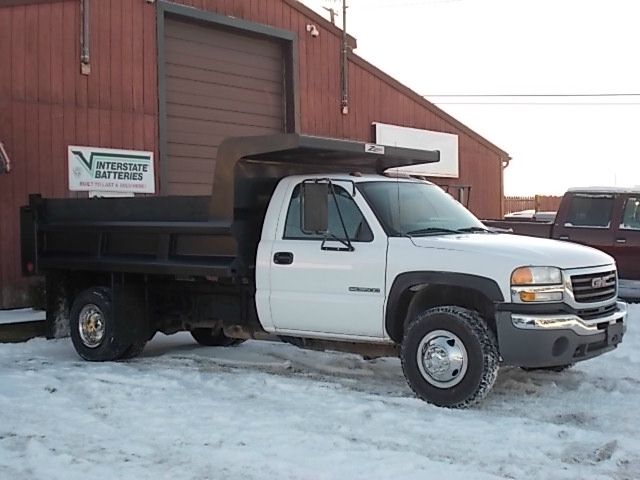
[528, 296]
[538, 295]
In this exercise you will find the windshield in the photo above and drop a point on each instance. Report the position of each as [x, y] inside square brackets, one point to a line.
[416, 208]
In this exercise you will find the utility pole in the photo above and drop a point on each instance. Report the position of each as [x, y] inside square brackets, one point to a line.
[344, 103]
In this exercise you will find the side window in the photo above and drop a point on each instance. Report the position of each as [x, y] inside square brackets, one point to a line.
[354, 222]
[631, 216]
[590, 211]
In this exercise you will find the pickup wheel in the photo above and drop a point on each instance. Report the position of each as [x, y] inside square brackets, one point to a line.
[450, 357]
[214, 337]
[93, 328]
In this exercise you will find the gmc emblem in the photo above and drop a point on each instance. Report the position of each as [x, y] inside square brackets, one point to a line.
[600, 282]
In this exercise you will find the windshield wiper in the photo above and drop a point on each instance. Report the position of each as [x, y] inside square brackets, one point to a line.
[430, 231]
[474, 229]
[438, 230]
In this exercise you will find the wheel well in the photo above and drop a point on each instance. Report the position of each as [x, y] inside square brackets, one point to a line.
[424, 296]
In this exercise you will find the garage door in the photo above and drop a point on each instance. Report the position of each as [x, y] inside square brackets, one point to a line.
[218, 84]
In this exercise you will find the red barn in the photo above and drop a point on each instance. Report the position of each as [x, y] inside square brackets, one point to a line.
[175, 78]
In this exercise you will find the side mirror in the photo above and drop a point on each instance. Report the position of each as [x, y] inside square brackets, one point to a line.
[315, 207]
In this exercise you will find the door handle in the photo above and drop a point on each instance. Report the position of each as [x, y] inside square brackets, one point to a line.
[283, 258]
[563, 237]
[621, 240]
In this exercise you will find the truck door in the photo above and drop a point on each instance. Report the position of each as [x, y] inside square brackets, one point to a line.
[627, 239]
[588, 221]
[329, 289]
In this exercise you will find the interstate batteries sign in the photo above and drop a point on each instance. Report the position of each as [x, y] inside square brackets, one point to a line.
[109, 170]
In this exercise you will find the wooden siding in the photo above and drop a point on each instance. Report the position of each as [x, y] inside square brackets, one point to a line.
[218, 84]
[46, 104]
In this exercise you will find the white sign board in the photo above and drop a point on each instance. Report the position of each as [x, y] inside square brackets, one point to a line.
[445, 143]
[109, 170]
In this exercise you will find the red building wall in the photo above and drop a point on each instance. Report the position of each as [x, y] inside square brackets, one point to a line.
[46, 104]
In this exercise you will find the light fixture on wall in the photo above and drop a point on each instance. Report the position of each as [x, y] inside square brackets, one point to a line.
[313, 30]
[5, 162]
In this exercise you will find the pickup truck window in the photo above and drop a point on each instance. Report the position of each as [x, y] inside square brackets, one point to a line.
[590, 211]
[357, 227]
[416, 208]
[631, 217]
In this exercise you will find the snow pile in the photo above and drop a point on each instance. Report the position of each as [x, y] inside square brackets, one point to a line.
[21, 315]
[266, 410]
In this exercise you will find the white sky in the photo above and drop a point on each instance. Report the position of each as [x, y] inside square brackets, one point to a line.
[520, 47]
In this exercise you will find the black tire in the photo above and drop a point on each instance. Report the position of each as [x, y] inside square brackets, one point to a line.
[478, 342]
[557, 368]
[110, 346]
[214, 337]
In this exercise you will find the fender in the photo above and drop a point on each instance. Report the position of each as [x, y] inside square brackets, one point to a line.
[402, 283]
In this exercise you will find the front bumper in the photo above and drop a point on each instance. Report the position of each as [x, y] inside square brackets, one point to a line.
[552, 339]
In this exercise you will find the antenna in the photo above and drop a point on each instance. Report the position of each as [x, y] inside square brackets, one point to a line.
[332, 13]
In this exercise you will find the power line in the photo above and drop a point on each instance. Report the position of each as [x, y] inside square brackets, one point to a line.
[424, 3]
[539, 103]
[401, 4]
[532, 95]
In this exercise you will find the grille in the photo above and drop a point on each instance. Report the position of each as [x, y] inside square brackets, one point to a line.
[594, 287]
[591, 313]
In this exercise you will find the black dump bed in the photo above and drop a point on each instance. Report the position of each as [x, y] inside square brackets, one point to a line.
[215, 235]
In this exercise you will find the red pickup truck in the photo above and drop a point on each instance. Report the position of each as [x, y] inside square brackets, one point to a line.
[606, 218]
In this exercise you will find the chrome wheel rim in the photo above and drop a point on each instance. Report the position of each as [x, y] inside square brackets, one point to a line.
[442, 359]
[91, 325]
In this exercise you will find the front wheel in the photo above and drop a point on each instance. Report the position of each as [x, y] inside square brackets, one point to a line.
[450, 357]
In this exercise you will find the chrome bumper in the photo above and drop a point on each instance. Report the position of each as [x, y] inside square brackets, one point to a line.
[568, 321]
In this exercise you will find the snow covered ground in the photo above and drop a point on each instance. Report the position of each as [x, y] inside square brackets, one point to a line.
[270, 411]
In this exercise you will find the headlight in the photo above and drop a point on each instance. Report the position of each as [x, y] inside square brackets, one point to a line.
[536, 276]
[536, 284]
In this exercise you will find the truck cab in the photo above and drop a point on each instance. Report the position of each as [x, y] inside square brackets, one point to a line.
[385, 234]
[313, 244]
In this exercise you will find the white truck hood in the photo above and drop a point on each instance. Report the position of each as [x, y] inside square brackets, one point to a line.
[521, 249]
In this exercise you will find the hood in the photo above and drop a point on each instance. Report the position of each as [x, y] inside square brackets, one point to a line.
[521, 249]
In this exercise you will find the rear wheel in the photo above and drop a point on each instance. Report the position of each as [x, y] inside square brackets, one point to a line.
[97, 334]
[93, 328]
[450, 357]
[214, 337]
